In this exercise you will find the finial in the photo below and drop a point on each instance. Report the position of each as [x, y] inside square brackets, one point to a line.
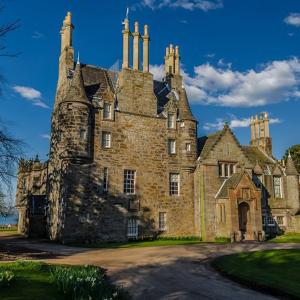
[136, 27]
[68, 18]
[146, 33]
[127, 13]
[289, 156]
[177, 50]
[78, 60]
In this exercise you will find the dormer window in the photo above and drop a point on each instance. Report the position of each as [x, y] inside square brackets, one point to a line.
[107, 111]
[226, 169]
[171, 121]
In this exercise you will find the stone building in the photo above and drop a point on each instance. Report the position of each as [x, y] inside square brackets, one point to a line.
[125, 161]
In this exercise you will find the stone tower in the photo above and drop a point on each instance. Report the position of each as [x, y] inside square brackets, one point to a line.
[260, 133]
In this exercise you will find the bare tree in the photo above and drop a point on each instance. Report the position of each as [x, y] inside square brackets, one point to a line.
[10, 147]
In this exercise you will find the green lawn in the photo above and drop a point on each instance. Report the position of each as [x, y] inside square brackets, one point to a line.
[286, 238]
[274, 270]
[41, 281]
[30, 283]
[141, 244]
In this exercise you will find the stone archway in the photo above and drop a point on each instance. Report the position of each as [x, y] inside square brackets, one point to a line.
[244, 217]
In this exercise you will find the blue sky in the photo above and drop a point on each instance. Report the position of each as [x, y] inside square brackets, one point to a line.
[239, 58]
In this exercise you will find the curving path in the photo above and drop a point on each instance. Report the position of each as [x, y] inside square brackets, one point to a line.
[177, 272]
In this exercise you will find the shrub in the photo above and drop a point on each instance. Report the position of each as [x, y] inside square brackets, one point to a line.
[5, 278]
[85, 283]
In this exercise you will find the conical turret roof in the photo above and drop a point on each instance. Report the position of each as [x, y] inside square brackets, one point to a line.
[290, 168]
[76, 92]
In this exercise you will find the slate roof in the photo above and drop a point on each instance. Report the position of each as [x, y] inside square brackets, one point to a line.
[256, 156]
[231, 182]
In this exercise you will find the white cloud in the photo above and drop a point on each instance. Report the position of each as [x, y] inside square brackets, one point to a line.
[158, 71]
[45, 136]
[204, 5]
[274, 82]
[30, 94]
[293, 19]
[234, 122]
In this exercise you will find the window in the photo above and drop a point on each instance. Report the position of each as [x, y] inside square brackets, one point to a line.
[188, 147]
[174, 184]
[277, 186]
[280, 220]
[82, 134]
[171, 121]
[162, 221]
[107, 111]
[172, 146]
[264, 219]
[132, 227]
[105, 179]
[271, 221]
[106, 139]
[129, 181]
[226, 169]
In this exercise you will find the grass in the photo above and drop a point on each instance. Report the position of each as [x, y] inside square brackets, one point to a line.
[37, 280]
[8, 229]
[276, 271]
[286, 238]
[141, 244]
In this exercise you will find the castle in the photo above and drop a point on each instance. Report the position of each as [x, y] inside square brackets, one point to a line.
[125, 161]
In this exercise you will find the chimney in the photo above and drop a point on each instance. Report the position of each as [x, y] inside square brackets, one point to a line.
[136, 39]
[177, 61]
[126, 34]
[66, 32]
[146, 40]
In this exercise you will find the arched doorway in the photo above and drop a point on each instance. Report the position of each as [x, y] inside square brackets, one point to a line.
[243, 217]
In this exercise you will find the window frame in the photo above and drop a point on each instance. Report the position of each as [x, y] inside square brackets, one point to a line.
[171, 123]
[109, 116]
[188, 147]
[226, 169]
[172, 146]
[129, 182]
[82, 134]
[132, 227]
[275, 186]
[103, 140]
[174, 186]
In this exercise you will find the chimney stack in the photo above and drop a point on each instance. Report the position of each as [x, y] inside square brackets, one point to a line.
[136, 39]
[146, 49]
[126, 34]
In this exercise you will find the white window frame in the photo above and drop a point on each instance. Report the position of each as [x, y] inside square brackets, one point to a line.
[174, 184]
[132, 227]
[188, 147]
[226, 168]
[171, 121]
[106, 139]
[129, 178]
[172, 146]
[105, 179]
[277, 195]
[107, 114]
[162, 221]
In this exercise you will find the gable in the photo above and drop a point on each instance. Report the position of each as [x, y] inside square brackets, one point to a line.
[223, 146]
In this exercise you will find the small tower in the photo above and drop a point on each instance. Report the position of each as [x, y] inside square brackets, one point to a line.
[66, 59]
[72, 122]
[172, 67]
[260, 133]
